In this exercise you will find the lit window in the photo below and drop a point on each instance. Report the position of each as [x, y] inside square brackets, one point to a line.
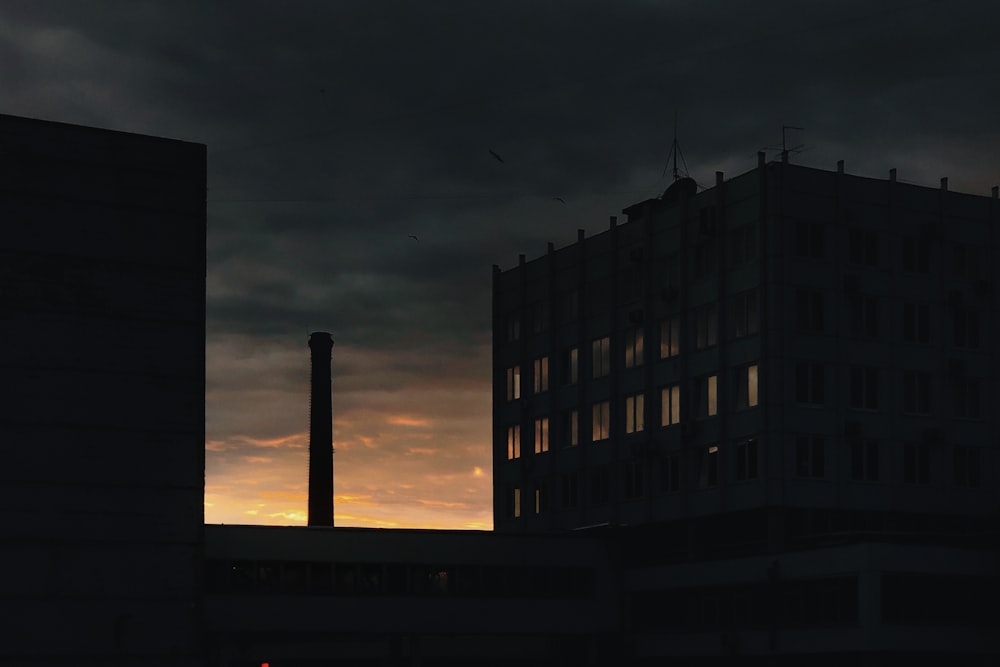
[541, 368]
[572, 373]
[670, 337]
[541, 498]
[513, 383]
[746, 387]
[573, 428]
[602, 357]
[541, 435]
[708, 396]
[706, 326]
[634, 418]
[517, 502]
[513, 442]
[602, 421]
[633, 347]
[670, 405]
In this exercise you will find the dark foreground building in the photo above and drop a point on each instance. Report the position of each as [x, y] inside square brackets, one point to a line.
[102, 313]
[750, 425]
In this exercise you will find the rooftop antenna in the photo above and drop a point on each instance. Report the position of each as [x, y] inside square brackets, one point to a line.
[784, 148]
[675, 150]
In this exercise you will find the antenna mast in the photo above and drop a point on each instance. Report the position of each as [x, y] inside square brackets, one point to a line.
[784, 149]
[675, 150]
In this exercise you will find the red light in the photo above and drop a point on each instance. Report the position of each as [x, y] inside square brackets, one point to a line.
[265, 664]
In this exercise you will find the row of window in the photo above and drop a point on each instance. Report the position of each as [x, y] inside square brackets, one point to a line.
[864, 389]
[864, 458]
[746, 395]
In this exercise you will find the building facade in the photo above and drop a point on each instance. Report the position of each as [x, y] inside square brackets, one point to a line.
[804, 349]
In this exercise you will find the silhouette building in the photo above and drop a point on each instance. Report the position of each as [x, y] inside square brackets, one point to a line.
[320, 433]
[102, 423]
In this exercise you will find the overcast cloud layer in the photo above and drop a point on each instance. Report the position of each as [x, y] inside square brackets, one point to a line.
[335, 130]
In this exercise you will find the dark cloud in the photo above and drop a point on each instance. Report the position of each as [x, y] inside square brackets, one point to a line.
[337, 130]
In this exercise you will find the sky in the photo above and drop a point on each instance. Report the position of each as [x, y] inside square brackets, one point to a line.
[336, 130]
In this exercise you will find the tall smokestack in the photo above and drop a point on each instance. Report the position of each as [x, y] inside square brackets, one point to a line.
[320, 433]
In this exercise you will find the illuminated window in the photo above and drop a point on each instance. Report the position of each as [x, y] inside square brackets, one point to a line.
[572, 373]
[635, 420]
[541, 374]
[513, 442]
[706, 331]
[572, 428]
[513, 383]
[670, 405]
[708, 396]
[746, 387]
[541, 435]
[670, 337]
[633, 347]
[746, 317]
[602, 357]
[517, 502]
[541, 498]
[746, 459]
[602, 421]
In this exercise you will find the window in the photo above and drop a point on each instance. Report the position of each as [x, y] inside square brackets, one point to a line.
[513, 383]
[746, 387]
[634, 418]
[746, 459]
[965, 327]
[670, 475]
[513, 442]
[743, 244]
[863, 247]
[516, 502]
[864, 460]
[916, 463]
[513, 328]
[708, 467]
[809, 310]
[599, 483]
[916, 323]
[541, 435]
[809, 384]
[602, 357]
[670, 405]
[708, 396]
[670, 337]
[602, 421]
[540, 317]
[916, 255]
[968, 397]
[572, 428]
[864, 388]
[706, 326]
[968, 465]
[746, 316]
[631, 283]
[541, 498]
[569, 489]
[916, 392]
[572, 369]
[809, 239]
[864, 315]
[633, 347]
[569, 308]
[809, 456]
[705, 259]
[541, 374]
[633, 479]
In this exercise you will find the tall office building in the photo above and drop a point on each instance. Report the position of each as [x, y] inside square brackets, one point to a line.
[791, 352]
[102, 423]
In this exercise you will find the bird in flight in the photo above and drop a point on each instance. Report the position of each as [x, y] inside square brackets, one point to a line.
[499, 159]
[414, 237]
[560, 200]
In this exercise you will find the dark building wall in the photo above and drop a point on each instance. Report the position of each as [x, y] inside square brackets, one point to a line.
[102, 308]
